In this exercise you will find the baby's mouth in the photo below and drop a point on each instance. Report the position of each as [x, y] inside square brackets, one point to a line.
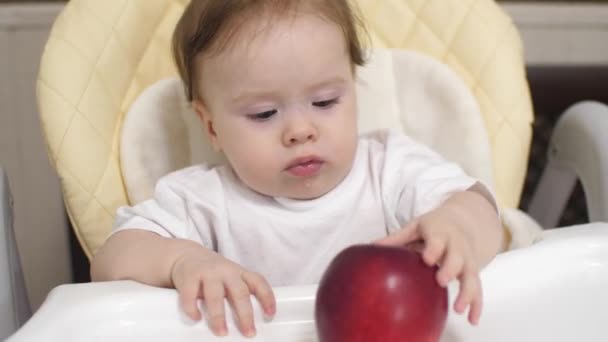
[305, 166]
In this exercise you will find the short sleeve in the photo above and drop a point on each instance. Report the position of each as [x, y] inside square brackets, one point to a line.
[416, 180]
[164, 214]
[182, 207]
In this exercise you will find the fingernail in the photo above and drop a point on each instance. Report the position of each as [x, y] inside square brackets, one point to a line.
[250, 332]
[271, 310]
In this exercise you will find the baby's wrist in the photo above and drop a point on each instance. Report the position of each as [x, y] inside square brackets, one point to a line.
[193, 252]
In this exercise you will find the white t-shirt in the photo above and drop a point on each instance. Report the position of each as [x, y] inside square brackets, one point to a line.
[291, 242]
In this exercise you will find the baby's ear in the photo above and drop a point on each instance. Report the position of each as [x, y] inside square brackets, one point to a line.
[207, 120]
[200, 109]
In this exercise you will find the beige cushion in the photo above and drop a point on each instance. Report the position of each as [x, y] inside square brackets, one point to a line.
[102, 54]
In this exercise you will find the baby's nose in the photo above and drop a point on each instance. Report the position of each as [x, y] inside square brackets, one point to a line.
[298, 132]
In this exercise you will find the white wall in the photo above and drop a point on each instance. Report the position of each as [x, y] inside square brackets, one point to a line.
[40, 223]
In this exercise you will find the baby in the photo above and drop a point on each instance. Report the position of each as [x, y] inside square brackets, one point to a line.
[273, 82]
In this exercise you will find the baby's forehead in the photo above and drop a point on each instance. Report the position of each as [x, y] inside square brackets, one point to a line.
[243, 34]
[266, 45]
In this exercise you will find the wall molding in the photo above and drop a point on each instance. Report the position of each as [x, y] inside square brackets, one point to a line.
[567, 34]
[28, 15]
[554, 33]
[559, 14]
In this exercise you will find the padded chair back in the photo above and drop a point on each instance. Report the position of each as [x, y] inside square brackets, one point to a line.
[102, 54]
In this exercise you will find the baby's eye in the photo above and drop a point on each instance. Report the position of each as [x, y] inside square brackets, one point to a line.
[262, 116]
[326, 103]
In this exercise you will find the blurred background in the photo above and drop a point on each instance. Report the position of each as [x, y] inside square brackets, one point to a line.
[566, 54]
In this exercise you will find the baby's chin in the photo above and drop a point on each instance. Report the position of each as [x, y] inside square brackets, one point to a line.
[306, 195]
[305, 191]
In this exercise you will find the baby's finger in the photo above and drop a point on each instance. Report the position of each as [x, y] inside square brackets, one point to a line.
[451, 267]
[214, 295]
[470, 295]
[434, 250]
[476, 307]
[402, 237]
[188, 295]
[262, 290]
[240, 297]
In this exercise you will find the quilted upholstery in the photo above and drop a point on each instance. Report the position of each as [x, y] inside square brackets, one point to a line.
[102, 54]
[479, 41]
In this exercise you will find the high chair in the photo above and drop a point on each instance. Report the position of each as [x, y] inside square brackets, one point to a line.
[107, 59]
[102, 54]
[91, 76]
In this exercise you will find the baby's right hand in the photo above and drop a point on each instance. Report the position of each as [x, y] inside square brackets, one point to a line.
[212, 277]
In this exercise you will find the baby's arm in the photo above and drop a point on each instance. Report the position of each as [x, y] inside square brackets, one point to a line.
[435, 207]
[461, 236]
[193, 270]
[169, 250]
[140, 255]
[479, 221]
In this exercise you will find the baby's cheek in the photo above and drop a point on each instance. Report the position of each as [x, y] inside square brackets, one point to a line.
[256, 169]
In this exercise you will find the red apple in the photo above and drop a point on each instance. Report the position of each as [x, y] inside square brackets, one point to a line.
[375, 293]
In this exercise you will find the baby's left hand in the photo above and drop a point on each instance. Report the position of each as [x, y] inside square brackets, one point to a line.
[451, 237]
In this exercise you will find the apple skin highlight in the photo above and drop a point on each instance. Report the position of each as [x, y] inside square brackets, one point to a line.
[373, 293]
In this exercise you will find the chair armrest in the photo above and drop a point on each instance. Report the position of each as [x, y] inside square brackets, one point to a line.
[16, 309]
[578, 150]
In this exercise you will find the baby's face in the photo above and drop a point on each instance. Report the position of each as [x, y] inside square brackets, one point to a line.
[281, 106]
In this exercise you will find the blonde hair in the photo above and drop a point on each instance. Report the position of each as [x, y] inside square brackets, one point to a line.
[207, 26]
